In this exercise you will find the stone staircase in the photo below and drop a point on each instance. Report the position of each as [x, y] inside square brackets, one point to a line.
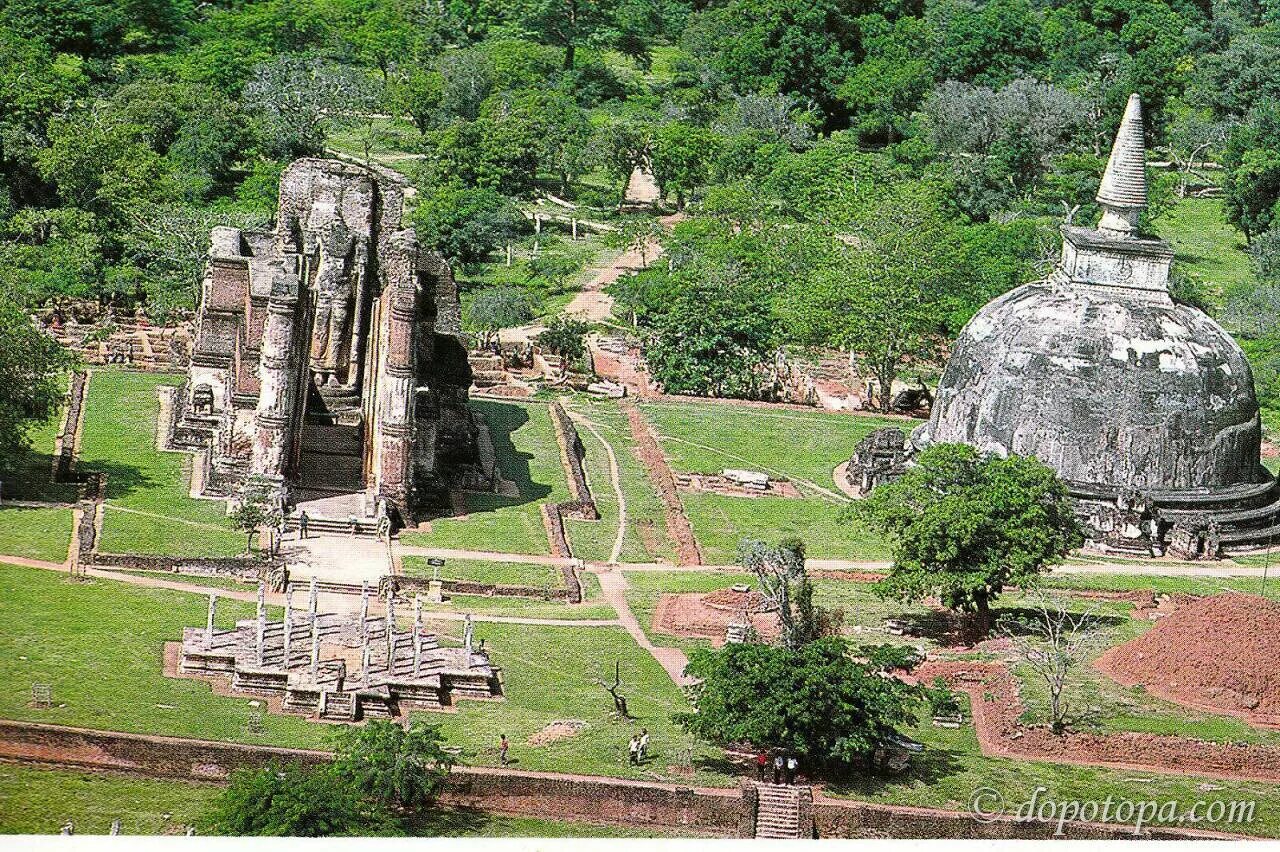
[364, 527]
[339, 706]
[778, 811]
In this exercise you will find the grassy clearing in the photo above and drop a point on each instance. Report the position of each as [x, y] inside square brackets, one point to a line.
[1163, 585]
[498, 573]
[119, 440]
[720, 522]
[591, 610]
[528, 455]
[804, 446]
[645, 539]
[551, 673]
[35, 533]
[40, 801]
[1205, 245]
[801, 445]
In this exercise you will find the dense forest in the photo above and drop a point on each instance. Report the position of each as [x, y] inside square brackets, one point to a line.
[857, 174]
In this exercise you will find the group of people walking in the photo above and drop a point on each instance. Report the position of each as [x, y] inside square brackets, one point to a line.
[785, 767]
[638, 747]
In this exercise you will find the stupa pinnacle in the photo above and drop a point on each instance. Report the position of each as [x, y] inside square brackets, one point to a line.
[1123, 192]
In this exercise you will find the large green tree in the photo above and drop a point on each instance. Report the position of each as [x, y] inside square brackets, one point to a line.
[31, 366]
[402, 768]
[964, 526]
[813, 700]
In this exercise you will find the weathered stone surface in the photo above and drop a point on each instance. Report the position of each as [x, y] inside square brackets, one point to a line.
[1114, 392]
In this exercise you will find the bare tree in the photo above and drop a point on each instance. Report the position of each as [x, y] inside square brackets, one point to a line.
[619, 700]
[1052, 641]
[1191, 135]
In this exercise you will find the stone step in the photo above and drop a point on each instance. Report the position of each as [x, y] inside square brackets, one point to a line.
[365, 527]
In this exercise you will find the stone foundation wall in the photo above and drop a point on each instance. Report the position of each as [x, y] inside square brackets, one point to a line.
[246, 570]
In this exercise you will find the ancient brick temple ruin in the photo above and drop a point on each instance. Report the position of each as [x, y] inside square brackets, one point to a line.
[1145, 406]
[328, 357]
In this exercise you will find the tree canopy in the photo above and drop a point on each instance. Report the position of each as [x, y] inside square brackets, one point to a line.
[964, 526]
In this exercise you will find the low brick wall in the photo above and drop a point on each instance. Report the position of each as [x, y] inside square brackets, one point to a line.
[169, 757]
[247, 570]
[597, 800]
[409, 585]
[726, 812]
[571, 455]
[861, 820]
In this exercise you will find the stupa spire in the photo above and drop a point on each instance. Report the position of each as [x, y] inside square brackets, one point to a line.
[1123, 192]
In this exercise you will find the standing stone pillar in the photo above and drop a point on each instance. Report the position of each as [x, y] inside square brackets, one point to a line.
[262, 619]
[315, 653]
[213, 610]
[288, 617]
[277, 395]
[364, 662]
[417, 635]
[313, 598]
[391, 629]
[364, 612]
[396, 380]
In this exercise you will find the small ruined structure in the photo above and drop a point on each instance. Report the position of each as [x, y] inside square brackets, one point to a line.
[1145, 406]
[328, 354]
[304, 660]
[879, 457]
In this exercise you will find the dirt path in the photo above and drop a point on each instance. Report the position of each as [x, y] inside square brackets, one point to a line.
[615, 478]
[613, 586]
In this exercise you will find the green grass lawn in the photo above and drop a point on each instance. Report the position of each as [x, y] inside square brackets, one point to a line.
[528, 455]
[37, 800]
[550, 674]
[803, 446]
[645, 539]
[498, 573]
[35, 533]
[720, 522]
[953, 767]
[119, 439]
[1205, 245]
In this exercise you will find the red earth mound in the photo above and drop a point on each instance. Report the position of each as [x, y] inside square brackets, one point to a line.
[1220, 654]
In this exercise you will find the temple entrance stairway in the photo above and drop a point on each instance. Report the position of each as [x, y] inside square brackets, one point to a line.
[778, 811]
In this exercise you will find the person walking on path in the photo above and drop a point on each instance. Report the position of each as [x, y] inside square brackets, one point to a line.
[777, 768]
[792, 763]
[503, 745]
[633, 751]
[302, 523]
[644, 744]
[762, 762]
